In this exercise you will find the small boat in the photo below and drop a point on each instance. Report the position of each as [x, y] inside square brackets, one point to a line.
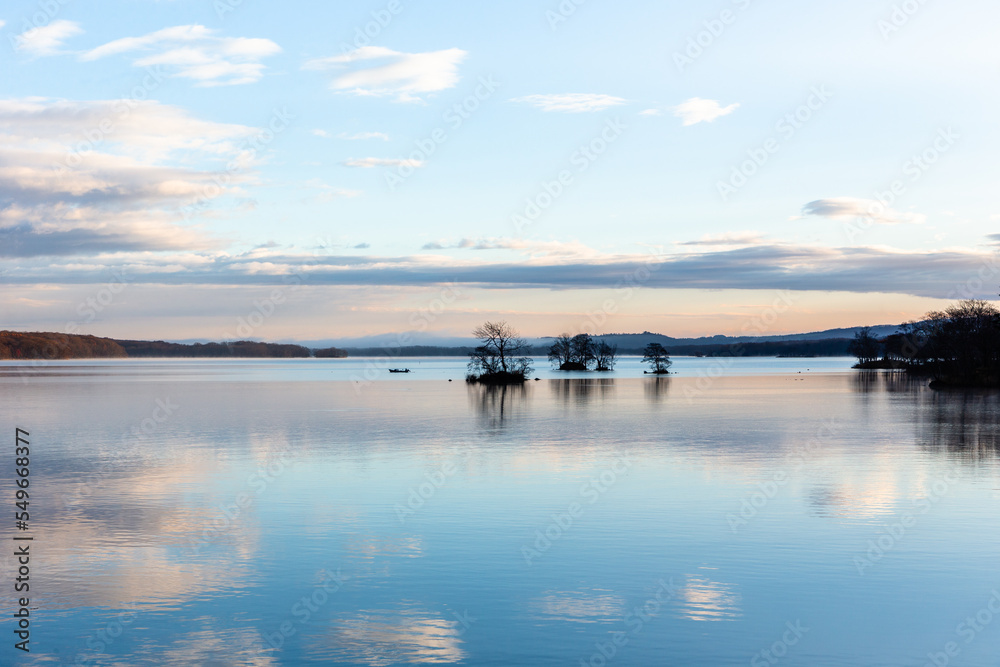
[399, 370]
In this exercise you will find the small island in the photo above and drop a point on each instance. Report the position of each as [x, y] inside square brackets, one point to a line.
[659, 361]
[580, 352]
[501, 359]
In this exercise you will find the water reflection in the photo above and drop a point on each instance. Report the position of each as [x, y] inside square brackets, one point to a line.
[497, 406]
[386, 637]
[872, 381]
[703, 599]
[656, 388]
[579, 606]
[582, 391]
[963, 423]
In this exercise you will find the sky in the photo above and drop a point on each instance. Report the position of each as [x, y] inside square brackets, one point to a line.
[210, 169]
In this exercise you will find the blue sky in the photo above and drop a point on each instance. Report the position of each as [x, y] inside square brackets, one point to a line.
[168, 169]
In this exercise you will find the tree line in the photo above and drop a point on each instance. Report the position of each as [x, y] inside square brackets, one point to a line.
[56, 346]
[959, 345]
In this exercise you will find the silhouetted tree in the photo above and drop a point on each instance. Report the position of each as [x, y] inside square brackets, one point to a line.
[656, 356]
[561, 352]
[606, 356]
[583, 350]
[865, 346]
[503, 356]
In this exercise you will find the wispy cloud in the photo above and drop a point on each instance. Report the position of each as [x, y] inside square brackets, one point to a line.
[329, 192]
[323, 134]
[571, 102]
[46, 40]
[931, 274]
[372, 162]
[381, 72]
[849, 207]
[727, 239]
[697, 110]
[360, 136]
[195, 52]
[650, 112]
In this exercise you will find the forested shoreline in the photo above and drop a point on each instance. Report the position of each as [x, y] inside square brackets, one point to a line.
[16, 345]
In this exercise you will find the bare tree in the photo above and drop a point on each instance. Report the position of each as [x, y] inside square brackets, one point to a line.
[583, 350]
[561, 351]
[503, 355]
[606, 356]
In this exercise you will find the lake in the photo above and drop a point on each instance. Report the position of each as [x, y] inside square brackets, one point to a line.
[286, 512]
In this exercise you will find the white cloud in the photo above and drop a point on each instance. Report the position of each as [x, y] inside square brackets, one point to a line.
[571, 102]
[697, 110]
[363, 135]
[123, 189]
[322, 133]
[372, 162]
[869, 209]
[47, 40]
[650, 112]
[2, 23]
[381, 72]
[329, 192]
[196, 53]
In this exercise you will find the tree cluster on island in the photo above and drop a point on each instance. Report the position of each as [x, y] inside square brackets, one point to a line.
[501, 358]
[581, 353]
[957, 346]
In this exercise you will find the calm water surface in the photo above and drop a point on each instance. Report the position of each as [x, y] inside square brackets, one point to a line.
[293, 512]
